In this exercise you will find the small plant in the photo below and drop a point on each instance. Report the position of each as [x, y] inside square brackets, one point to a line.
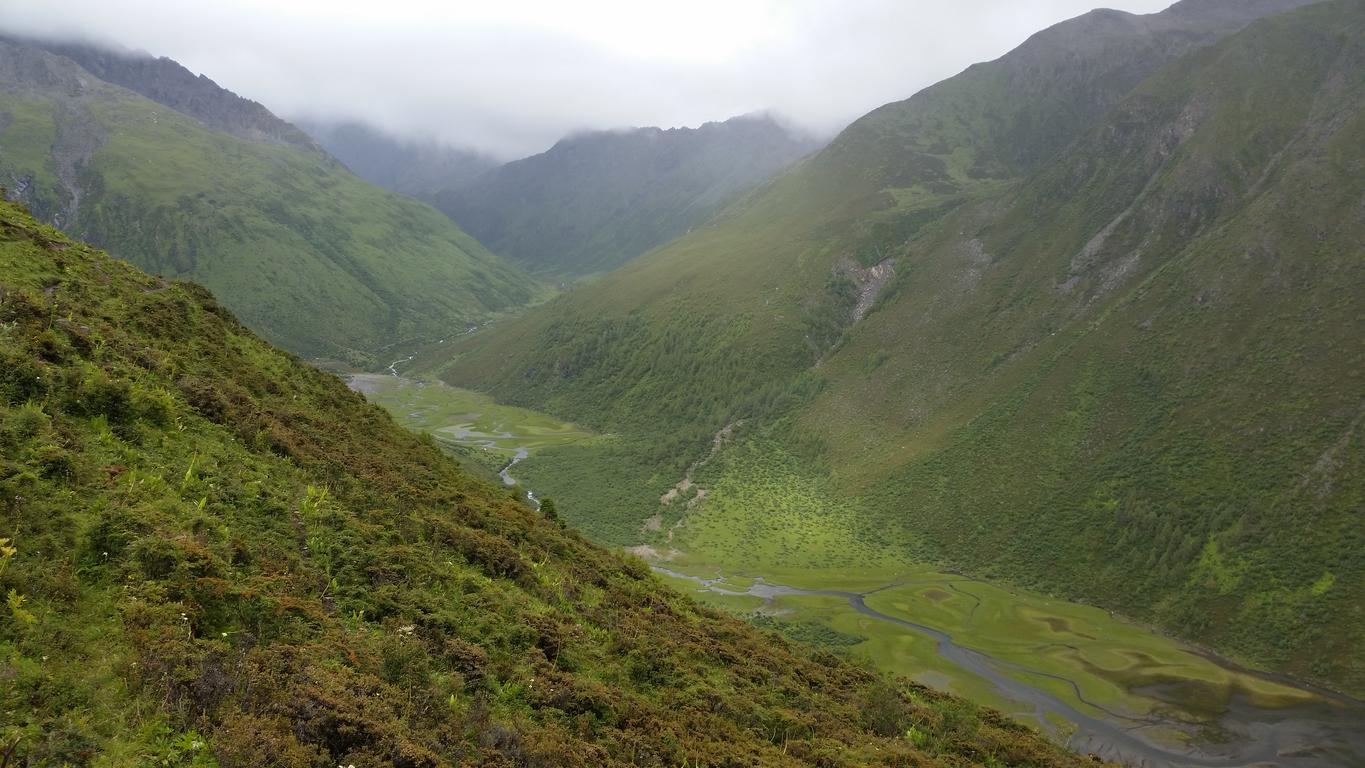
[13, 599]
[7, 552]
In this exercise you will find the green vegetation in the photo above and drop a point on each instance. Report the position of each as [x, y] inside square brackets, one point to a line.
[1119, 359]
[306, 253]
[596, 200]
[762, 514]
[753, 530]
[230, 559]
[460, 417]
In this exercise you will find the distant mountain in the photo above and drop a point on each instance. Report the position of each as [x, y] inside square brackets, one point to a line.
[228, 195]
[418, 169]
[1087, 317]
[596, 200]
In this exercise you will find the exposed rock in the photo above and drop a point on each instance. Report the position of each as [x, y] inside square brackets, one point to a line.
[870, 282]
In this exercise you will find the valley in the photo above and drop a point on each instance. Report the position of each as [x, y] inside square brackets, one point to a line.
[1095, 682]
[762, 544]
[494, 436]
[471, 421]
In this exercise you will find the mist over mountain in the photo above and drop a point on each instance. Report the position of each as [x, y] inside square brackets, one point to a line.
[1020, 424]
[229, 195]
[596, 200]
[418, 169]
[168, 83]
[1071, 266]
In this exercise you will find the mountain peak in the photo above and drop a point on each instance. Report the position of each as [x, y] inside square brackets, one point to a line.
[170, 84]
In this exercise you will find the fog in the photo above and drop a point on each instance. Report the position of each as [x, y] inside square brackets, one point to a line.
[509, 78]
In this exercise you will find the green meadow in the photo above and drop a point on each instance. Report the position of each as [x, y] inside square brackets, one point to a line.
[470, 423]
[764, 515]
[757, 513]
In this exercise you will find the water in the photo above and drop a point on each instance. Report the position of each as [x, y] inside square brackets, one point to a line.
[1327, 732]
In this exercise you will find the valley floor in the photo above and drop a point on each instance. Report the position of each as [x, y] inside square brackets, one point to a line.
[746, 531]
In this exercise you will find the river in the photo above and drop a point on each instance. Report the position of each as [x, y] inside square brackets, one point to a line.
[1327, 733]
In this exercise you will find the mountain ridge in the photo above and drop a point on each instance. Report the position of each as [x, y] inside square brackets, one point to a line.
[597, 199]
[309, 254]
[412, 167]
[170, 84]
[999, 260]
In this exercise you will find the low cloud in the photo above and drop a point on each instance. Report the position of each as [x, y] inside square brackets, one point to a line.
[511, 78]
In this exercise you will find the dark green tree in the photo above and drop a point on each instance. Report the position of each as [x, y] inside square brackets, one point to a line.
[550, 511]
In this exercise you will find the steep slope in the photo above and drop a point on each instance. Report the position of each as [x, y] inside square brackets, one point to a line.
[311, 256]
[761, 292]
[168, 83]
[217, 556]
[417, 169]
[1156, 346]
[596, 200]
[1085, 317]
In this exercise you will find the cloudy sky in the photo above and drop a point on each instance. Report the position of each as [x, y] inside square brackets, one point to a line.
[511, 76]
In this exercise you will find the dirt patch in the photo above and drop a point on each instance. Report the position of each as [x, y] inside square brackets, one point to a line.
[650, 554]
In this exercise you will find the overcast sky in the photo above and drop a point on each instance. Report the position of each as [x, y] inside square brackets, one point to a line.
[512, 76]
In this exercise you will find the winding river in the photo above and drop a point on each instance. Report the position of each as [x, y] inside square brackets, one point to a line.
[1328, 733]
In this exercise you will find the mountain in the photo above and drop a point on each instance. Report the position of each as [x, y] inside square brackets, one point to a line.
[226, 194]
[597, 200]
[215, 555]
[414, 168]
[1085, 318]
[171, 85]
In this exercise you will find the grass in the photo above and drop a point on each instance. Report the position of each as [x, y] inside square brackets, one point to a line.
[310, 256]
[1164, 420]
[465, 418]
[1106, 657]
[761, 512]
[765, 517]
[230, 559]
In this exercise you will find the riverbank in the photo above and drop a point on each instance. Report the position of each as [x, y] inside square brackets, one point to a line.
[1096, 683]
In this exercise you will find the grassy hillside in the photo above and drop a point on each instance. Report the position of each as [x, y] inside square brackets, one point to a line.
[1086, 318]
[596, 200]
[217, 556]
[1155, 346]
[167, 83]
[765, 289]
[311, 256]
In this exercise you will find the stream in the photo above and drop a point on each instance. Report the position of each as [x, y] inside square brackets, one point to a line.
[1328, 733]
[507, 479]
